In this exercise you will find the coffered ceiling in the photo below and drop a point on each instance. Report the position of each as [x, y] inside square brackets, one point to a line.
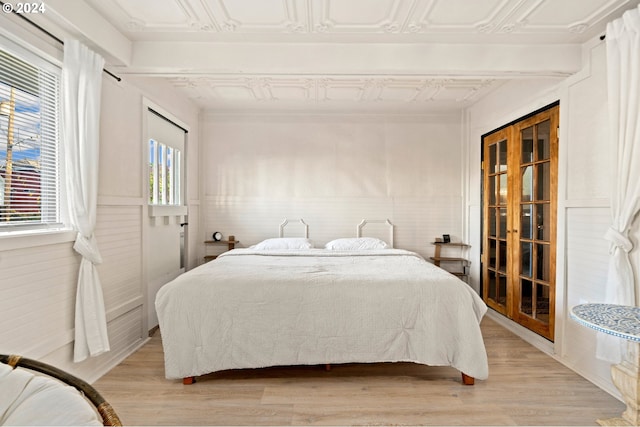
[359, 55]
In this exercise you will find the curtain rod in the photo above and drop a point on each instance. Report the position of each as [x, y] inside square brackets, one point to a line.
[21, 16]
[151, 110]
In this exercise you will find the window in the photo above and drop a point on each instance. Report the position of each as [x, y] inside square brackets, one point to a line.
[166, 171]
[29, 155]
[164, 174]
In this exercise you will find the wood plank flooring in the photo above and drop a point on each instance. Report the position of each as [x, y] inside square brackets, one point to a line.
[525, 387]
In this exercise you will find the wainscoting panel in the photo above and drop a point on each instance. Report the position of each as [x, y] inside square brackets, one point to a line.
[119, 235]
[588, 254]
[588, 257]
[48, 289]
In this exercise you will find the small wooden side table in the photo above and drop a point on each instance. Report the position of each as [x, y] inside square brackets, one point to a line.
[624, 322]
[463, 263]
[231, 244]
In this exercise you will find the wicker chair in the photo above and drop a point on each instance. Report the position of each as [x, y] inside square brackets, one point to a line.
[109, 416]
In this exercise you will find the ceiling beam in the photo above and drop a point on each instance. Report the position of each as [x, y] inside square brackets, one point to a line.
[77, 19]
[466, 60]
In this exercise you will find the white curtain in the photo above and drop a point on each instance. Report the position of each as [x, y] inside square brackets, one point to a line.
[623, 73]
[81, 91]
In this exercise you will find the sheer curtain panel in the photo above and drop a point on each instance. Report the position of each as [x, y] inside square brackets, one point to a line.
[623, 73]
[81, 91]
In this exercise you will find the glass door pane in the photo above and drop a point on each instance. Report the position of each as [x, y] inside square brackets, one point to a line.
[527, 183]
[527, 144]
[526, 221]
[542, 262]
[543, 225]
[543, 131]
[502, 150]
[493, 158]
[542, 303]
[543, 179]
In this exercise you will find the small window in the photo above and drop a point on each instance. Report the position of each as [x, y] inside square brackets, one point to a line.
[164, 174]
[29, 154]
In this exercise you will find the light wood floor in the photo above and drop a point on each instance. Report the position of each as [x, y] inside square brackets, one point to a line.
[525, 387]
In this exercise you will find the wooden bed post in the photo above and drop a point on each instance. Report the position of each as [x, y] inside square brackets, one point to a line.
[191, 380]
[467, 380]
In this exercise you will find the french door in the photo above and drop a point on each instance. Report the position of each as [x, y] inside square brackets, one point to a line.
[520, 164]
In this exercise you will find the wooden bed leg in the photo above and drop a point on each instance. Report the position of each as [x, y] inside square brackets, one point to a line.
[327, 367]
[191, 380]
[467, 380]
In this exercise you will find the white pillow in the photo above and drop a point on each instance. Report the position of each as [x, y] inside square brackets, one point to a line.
[356, 244]
[284, 243]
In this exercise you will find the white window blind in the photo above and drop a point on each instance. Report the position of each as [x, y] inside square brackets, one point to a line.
[29, 155]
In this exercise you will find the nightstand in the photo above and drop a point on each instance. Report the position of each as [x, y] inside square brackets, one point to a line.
[231, 244]
[456, 265]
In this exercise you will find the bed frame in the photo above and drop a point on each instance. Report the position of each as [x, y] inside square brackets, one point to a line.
[284, 223]
[466, 379]
[389, 225]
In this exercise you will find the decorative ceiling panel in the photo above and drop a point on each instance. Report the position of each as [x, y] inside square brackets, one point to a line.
[373, 18]
[145, 14]
[588, 13]
[409, 55]
[458, 13]
[233, 92]
[263, 16]
[359, 15]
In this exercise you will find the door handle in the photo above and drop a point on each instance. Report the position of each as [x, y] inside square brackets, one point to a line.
[183, 224]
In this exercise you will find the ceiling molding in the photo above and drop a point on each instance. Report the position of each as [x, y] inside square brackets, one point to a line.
[364, 55]
[362, 93]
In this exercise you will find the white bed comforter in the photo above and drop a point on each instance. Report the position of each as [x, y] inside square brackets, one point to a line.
[251, 309]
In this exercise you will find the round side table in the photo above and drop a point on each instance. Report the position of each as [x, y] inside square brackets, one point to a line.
[624, 322]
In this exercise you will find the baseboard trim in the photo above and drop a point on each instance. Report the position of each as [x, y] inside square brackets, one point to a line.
[153, 330]
[531, 337]
[115, 361]
[547, 347]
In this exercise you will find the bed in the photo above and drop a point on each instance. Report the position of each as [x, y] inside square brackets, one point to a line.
[285, 302]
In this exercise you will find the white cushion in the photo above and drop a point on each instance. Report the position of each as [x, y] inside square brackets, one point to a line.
[30, 399]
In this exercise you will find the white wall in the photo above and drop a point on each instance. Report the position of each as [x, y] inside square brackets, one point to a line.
[583, 204]
[332, 171]
[38, 280]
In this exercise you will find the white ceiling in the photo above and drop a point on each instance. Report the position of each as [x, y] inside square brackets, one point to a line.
[361, 55]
